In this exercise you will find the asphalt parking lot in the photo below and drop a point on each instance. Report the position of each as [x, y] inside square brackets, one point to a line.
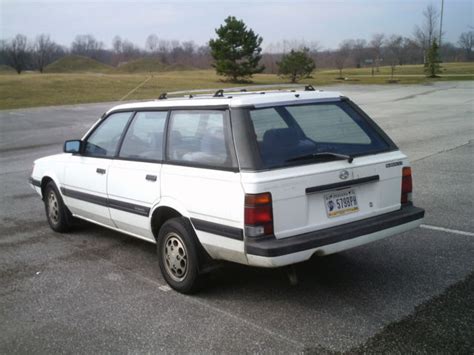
[96, 291]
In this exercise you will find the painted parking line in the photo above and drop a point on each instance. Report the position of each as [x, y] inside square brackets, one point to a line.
[448, 230]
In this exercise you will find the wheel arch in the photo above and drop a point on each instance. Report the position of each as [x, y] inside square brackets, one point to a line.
[164, 213]
[45, 180]
[160, 215]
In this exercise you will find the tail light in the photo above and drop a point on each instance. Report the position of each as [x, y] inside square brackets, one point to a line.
[407, 185]
[258, 214]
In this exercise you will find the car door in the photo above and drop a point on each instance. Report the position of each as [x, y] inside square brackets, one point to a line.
[133, 185]
[85, 183]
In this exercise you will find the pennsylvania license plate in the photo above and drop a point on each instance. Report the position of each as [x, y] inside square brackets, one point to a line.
[340, 203]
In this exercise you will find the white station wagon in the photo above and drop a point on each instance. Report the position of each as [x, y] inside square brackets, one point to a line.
[266, 179]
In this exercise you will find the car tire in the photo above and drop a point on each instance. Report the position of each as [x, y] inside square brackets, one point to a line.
[57, 214]
[178, 255]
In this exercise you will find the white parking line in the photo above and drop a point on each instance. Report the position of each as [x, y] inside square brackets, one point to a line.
[165, 288]
[454, 231]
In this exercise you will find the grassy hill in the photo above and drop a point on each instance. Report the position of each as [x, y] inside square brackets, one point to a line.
[147, 65]
[6, 69]
[77, 64]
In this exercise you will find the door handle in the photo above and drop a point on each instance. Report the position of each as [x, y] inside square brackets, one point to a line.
[151, 178]
[100, 171]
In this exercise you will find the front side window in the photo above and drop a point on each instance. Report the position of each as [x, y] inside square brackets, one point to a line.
[199, 137]
[144, 137]
[289, 134]
[104, 140]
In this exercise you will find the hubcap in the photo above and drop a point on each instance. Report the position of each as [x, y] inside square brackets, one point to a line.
[53, 208]
[175, 256]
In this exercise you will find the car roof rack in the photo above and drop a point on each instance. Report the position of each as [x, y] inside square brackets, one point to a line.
[219, 93]
[239, 90]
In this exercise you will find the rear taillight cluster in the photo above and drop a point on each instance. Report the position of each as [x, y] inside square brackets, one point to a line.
[407, 186]
[258, 215]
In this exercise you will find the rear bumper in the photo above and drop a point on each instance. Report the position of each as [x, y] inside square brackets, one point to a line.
[272, 252]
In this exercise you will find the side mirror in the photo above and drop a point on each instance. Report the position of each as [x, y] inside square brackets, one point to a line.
[73, 146]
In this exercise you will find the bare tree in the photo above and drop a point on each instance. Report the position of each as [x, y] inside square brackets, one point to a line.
[164, 48]
[203, 57]
[393, 46]
[117, 56]
[431, 23]
[341, 55]
[117, 44]
[3, 52]
[466, 41]
[410, 52]
[426, 34]
[17, 52]
[86, 45]
[376, 43]
[44, 51]
[188, 51]
[151, 44]
[358, 51]
[129, 50]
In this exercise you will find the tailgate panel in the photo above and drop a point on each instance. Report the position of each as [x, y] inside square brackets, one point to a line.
[299, 206]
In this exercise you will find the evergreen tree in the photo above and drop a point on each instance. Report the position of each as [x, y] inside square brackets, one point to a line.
[237, 50]
[432, 66]
[296, 65]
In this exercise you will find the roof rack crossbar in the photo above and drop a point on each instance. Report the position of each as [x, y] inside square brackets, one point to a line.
[163, 96]
[219, 93]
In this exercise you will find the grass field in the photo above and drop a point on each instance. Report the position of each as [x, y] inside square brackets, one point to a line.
[447, 69]
[34, 89]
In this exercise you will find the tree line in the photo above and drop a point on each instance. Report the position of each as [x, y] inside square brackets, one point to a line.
[22, 53]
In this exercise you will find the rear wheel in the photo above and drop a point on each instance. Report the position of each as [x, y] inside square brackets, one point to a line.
[57, 214]
[178, 255]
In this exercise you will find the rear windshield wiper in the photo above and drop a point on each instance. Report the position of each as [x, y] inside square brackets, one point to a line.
[321, 155]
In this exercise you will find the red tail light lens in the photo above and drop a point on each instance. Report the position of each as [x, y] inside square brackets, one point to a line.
[407, 185]
[258, 214]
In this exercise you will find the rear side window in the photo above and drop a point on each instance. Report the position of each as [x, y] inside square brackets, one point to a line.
[144, 138]
[200, 138]
[284, 133]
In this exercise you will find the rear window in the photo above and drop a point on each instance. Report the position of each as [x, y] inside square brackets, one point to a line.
[284, 133]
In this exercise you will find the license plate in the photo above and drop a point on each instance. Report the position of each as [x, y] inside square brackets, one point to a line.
[340, 203]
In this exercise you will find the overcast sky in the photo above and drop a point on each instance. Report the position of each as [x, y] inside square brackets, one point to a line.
[327, 22]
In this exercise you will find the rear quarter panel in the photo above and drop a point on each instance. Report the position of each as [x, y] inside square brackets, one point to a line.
[209, 195]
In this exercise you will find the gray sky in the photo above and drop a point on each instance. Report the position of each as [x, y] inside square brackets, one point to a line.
[327, 22]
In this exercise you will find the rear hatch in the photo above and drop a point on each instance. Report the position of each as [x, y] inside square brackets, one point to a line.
[324, 164]
[313, 197]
